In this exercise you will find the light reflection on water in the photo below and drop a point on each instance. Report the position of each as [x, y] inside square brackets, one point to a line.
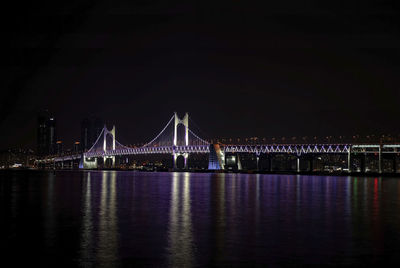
[180, 249]
[107, 245]
[110, 218]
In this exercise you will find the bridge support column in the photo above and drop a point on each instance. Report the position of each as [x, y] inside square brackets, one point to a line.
[112, 160]
[270, 163]
[311, 160]
[349, 160]
[239, 163]
[185, 159]
[175, 156]
[362, 163]
[298, 164]
[186, 156]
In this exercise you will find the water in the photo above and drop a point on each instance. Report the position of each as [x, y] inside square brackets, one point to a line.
[125, 219]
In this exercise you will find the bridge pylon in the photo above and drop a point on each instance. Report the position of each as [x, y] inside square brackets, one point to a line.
[185, 122]
[112, 134]
[91, 162]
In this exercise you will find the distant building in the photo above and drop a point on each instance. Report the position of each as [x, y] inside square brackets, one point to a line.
[46, 134]
[59, 147]
[77, 147]
[14, 158]
[90, 130]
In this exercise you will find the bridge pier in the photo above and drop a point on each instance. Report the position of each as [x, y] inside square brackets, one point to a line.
[349, 160]
[310, 163]
[112, 160]
[185, 157]
[362, 163]
[175, 156]
[90, 163]
[185, 160]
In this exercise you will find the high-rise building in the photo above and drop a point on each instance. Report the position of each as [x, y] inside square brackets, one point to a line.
[51, 124]
[42, 148]
[90, 131]
[77, 147]
[59, 146]
[46, 134]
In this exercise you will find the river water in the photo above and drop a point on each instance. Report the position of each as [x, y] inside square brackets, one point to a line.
[146, 219]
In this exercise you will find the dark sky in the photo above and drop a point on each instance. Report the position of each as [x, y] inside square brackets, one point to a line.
[240, 68]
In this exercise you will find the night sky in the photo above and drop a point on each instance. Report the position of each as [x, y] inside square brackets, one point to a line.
[240, 68]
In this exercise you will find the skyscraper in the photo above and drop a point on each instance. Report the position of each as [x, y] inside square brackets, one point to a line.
[59, 147]
[90, 130]
[51, 125]
[77, 147]
[46, 134]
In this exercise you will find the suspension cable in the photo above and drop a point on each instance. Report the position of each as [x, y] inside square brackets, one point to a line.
[160, 132]
[97, 139]
[206, 142]
[198, 127]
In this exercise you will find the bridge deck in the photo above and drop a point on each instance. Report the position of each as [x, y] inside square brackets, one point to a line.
[257, 149]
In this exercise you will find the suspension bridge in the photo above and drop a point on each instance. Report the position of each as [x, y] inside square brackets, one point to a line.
[177, 139]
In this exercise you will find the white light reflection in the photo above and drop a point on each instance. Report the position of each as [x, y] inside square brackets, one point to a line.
[107, 251]
[298, 197]
[257, 199]
[220, 221]
[232, 199]
[180, 223]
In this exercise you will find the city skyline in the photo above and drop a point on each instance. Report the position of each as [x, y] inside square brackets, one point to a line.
[70, 145]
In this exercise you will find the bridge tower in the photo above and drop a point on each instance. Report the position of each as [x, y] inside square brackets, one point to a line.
[100, 145]
[185, 123]
[112, 133]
